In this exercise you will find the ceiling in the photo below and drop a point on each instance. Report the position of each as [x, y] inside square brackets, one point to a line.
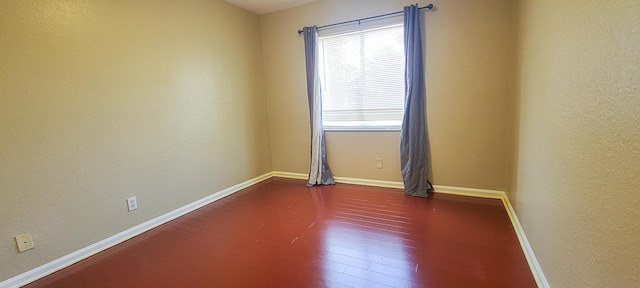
[262, 7]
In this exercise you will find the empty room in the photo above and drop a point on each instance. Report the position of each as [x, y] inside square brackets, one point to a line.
[327, 143]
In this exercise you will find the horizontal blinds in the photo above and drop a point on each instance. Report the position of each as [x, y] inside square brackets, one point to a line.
[363, 78]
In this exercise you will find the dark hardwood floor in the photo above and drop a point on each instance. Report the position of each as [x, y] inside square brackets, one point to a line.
[280, 233]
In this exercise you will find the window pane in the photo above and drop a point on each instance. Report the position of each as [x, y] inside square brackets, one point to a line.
[363, 78]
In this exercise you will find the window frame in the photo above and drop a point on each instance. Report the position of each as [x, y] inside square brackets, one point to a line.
[372, 127]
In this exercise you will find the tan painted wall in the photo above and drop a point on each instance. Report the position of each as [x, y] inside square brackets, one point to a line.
[469, 55]
[101, 100]
[578, 188]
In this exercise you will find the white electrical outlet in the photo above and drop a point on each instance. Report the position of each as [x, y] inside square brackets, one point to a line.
[25, 242]
[378, 163]
[132, 203]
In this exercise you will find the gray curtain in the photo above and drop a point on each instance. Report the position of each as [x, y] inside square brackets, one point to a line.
[319, 173]
[413, 135]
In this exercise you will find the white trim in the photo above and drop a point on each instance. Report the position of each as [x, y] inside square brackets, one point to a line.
[483, 193]
[344, 180]
[534, 265]
[290, 175]
[73, 257]
[369, 182]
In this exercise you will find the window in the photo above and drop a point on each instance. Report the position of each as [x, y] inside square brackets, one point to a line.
[362, 76]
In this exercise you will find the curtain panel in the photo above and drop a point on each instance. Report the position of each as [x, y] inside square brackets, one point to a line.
[319, 172]
[413, 134]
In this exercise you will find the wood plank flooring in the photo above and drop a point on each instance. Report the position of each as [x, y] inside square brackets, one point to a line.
[280, 233]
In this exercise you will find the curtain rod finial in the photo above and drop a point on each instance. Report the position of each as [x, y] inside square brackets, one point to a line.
[300, 32]
[430, 6]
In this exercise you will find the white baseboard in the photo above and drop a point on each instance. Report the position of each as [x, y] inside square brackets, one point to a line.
[290, 175]
[69, 259]
[536, 270]
[370, 182]
[344, 180]
[495, 194]
[474, 192]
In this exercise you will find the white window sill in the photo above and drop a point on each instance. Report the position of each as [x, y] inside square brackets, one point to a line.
[361, 129]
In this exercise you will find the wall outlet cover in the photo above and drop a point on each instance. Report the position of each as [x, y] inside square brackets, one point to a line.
[25, 242]
[132, 203]
[379, 163]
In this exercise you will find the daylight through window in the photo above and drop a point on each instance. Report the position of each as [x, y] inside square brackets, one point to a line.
[362, 76]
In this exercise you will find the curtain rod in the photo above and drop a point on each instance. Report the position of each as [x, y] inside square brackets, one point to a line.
[429, 7]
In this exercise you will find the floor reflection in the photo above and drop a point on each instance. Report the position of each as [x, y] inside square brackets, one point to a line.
[364, 243]
[280, 233]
